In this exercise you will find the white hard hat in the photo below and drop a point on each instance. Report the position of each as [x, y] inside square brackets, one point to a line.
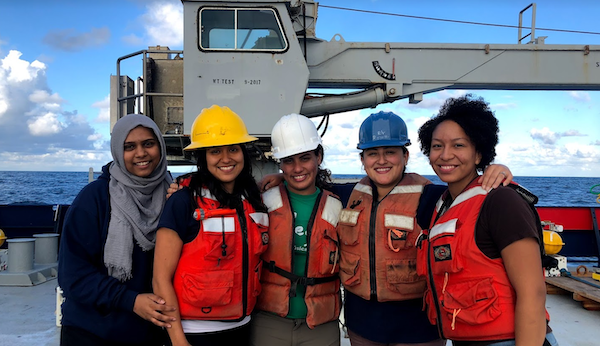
[294, 134]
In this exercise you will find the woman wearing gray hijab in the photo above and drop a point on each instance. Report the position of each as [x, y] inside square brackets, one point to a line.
[107, 244]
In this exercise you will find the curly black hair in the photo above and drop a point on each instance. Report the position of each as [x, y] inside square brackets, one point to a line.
[474, 115]
[323, 180]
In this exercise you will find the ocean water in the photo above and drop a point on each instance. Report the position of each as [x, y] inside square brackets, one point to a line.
[62, 187]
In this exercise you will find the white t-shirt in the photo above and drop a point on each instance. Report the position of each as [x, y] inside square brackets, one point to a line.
[199, 326]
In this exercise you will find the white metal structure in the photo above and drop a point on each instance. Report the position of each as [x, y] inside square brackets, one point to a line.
[260, 57]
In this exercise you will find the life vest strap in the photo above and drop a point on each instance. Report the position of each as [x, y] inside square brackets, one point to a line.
[297, 279]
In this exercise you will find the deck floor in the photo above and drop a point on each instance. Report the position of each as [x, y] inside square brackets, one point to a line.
[29, 318]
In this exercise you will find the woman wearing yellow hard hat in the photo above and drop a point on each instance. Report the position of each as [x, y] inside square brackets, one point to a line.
[211, 236]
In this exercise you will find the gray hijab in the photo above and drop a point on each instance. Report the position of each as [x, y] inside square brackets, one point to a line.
[136, 203]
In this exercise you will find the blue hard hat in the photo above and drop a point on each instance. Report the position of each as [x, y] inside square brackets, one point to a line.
[382, 129]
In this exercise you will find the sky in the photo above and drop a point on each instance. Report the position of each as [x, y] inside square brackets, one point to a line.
[56, 58]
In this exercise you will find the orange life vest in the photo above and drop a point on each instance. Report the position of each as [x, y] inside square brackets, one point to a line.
[322, 295]
[470, 296]
[218, 274]
[377, 243]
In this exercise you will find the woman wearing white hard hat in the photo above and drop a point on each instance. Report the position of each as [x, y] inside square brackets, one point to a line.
[300, 300]
[376, 312]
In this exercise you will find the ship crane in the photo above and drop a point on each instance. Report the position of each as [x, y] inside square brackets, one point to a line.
[260, 58]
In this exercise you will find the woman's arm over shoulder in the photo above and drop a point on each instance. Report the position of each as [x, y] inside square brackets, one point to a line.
[495, 175]
[431, 194]
[175, 215]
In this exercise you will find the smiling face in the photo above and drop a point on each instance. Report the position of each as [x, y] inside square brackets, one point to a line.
[300, 172]
[453, 156]
[225, 163]
[385, 167]
[141, 152]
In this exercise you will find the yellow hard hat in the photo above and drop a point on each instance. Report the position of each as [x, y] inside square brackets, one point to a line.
[552, 242]
[217, 126]
[2, 237]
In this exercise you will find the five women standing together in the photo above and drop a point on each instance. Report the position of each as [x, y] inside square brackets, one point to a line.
[215, 238]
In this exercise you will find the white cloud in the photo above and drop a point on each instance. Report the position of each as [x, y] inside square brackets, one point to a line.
[544, 135]
[503, 106]
[45, 125]
[35, 131]
[42, 96]
[581, 96]
[103, 110]
[3, 106]
[582, 151]
[163, 23]
[549, 137]
[420, 121]
[541, 159]
[572, 133]
[543, 153]
[17, 70]
[55, 160]
[46, 101]
[341, 155]
[94, 137]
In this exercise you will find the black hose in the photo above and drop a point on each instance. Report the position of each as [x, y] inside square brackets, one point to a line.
[564, 272]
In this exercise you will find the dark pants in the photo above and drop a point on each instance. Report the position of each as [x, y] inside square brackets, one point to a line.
[73, 336]
[231, 337]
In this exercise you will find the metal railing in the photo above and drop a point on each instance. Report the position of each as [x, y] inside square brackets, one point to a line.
[143, 93]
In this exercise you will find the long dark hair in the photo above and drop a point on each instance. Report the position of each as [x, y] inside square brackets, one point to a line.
[245, 185]
[323, 180]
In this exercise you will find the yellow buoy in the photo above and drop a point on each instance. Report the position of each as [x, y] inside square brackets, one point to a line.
[553, 243]
[2, 237]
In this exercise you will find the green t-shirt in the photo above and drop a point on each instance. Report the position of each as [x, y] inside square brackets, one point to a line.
[302, 207]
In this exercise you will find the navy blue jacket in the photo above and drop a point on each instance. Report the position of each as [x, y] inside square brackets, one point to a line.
[95, 301]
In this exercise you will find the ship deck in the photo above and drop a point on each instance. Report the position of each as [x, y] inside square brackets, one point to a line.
[29, 318]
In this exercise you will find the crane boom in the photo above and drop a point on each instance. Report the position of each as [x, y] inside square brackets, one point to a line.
[260, 58]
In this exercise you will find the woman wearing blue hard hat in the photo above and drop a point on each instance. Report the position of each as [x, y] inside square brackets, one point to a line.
[378, 228]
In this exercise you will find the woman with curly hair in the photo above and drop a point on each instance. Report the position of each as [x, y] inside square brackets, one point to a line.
[482, 253]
